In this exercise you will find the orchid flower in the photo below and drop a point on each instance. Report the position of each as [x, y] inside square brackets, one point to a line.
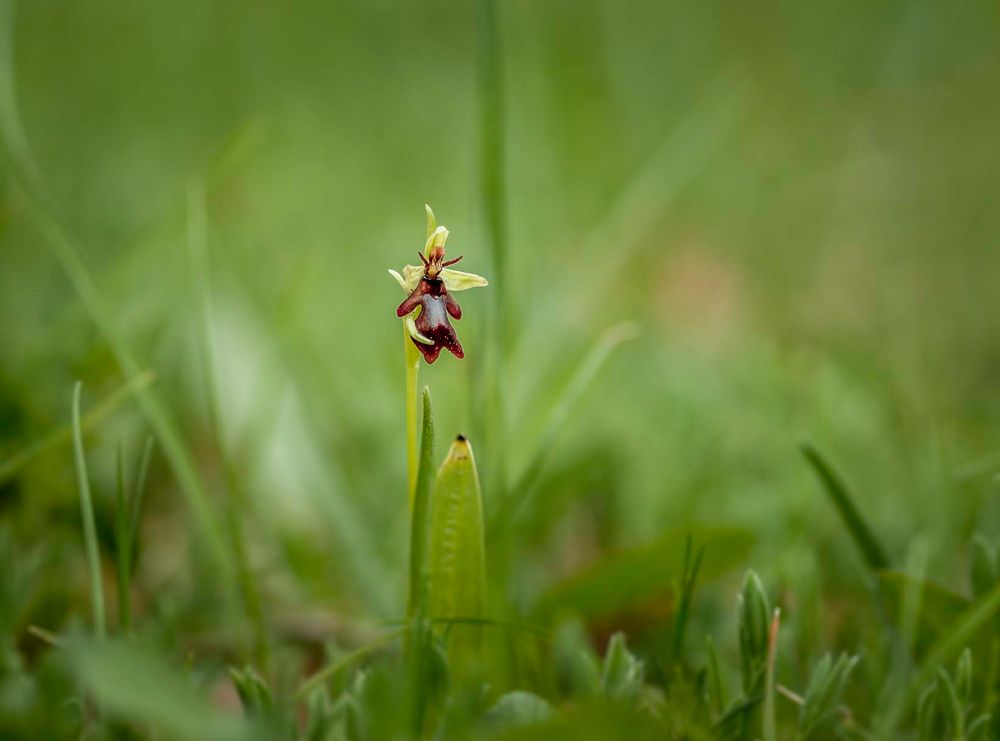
[429, 302]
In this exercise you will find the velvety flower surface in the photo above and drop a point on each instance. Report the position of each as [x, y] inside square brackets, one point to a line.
[429, 306]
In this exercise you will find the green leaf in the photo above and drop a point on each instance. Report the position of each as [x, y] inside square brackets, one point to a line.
[254, 693]
[754, 614]
[520, 708]
[87, 516]
[963, 677]
[622, 674]
[953, 713]
[836, 489]
[136, 684]
[689, 577]
[566, 402]
[420, 516]
[716, 687]
[457, 560]
[575, 662]
[823, 693]
[929, 719]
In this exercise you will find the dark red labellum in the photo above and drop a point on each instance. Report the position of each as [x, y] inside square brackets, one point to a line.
[436, 304]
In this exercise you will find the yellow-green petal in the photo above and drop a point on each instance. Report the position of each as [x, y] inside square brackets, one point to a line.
[437, 238]
[431, 220]
[412, 275]
[457, 280]
[399, 279]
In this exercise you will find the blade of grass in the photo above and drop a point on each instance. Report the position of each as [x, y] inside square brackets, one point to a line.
[420, 514]
[836, 489]
[716, 687]
[579, 382]
[770, 728]
[953, 641]
[138, 492]
[329, 671]
[87, 516]
[89, 420]
[233, 504]
[689, 577]
[123, 547]
[127, 507]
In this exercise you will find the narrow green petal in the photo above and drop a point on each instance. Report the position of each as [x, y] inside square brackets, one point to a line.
[431, 221]
[456, 280]
[399, 279]
[437, 238]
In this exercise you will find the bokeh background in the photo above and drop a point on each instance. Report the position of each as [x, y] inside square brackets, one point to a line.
[795, 203]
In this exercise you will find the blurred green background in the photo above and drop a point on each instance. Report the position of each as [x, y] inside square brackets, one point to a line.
[796, 202]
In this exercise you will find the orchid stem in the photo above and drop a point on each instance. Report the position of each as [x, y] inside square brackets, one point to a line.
[411, 357]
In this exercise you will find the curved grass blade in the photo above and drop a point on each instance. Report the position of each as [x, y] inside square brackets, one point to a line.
[87, 515]
[836, 489]
[359, 653]
[581, 379]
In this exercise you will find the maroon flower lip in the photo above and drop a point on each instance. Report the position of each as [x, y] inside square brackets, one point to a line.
[436, 305]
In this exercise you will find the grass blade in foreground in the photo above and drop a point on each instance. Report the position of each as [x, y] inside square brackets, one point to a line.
[835, 487]
[87, 514]
[457, 563]
[135, 684]
[953, 640]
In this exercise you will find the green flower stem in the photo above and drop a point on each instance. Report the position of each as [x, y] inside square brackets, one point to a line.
[411, 357]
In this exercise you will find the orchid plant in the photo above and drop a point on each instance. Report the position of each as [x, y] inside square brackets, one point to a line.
[425, 313]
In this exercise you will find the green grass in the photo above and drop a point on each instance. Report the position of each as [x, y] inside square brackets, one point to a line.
[786, 210]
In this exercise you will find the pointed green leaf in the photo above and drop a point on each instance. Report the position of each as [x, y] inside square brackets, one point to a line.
[457, 562]
[952, 706]
[431, 220]
[622, 675]
[836, 489]
[519, 708]
[420, 516]
[963, 677]
[754, 615]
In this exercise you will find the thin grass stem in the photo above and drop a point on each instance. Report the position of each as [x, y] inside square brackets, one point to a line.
[89, 525]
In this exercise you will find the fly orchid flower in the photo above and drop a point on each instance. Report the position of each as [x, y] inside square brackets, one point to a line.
[429, 302]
